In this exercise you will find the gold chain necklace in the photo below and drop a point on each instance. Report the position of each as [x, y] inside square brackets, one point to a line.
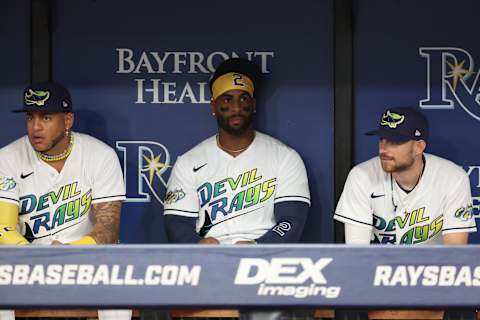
[234, 151]
[64, 155]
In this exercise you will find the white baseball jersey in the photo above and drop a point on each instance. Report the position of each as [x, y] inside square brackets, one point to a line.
[233, 197]
[53, 205]
[441, 203]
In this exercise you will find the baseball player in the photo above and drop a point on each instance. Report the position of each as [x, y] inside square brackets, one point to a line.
[239, 186]
[58, 186]
[404, 195]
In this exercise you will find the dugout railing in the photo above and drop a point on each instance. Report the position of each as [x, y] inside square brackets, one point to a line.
[186, 278]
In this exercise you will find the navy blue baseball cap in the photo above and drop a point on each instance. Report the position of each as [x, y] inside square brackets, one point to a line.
[46, 97]
[401, 125]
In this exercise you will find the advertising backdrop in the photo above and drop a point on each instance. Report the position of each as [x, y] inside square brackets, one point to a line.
[139, 71]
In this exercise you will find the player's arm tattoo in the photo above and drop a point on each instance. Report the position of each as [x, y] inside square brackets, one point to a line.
[107, 222]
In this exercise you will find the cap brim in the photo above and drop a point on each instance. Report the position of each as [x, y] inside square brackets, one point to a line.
[45, 110]
[389, 135]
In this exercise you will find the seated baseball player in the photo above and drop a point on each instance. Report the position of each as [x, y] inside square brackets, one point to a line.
[240, 185]
[58, 186]
[404, 195]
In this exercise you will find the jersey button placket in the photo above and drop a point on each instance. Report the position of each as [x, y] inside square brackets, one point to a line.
[52, 185]
[231, 172]
[398, 230]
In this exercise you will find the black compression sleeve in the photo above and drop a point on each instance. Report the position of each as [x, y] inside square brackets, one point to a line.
[181, 229]
[290, 217]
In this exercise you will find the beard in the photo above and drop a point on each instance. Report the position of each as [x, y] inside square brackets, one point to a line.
[54, 143]
[236, 131]
[396, 166]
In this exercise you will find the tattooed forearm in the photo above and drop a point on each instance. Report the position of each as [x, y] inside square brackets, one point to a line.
[107, 222]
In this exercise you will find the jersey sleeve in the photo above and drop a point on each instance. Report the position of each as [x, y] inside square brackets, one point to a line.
[9, 187]
[458, 210]
[292, 180]
[108, 184]
[182, 198]
[9, 204]
[354, 204]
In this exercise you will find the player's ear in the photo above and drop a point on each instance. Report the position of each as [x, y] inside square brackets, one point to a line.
[69, 120]
[421, 145]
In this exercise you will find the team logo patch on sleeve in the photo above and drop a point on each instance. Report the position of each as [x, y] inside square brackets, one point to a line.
[174, 196]
[7, 184]
[464, 213]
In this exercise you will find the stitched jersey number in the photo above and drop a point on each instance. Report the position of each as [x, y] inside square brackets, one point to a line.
[282, 227]
[236, 78]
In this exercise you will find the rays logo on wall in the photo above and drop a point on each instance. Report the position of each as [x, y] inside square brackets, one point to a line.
[452, 80]
[145, 164]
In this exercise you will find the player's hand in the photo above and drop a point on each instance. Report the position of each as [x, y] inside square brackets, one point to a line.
[56, 243]
[209, 240]
[246, 242]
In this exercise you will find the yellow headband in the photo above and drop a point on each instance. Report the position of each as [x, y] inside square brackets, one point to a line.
[231, 81]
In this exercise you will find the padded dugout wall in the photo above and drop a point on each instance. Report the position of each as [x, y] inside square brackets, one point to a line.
[15, 66]
[405, 53]
[138, 72]
[397, 61]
